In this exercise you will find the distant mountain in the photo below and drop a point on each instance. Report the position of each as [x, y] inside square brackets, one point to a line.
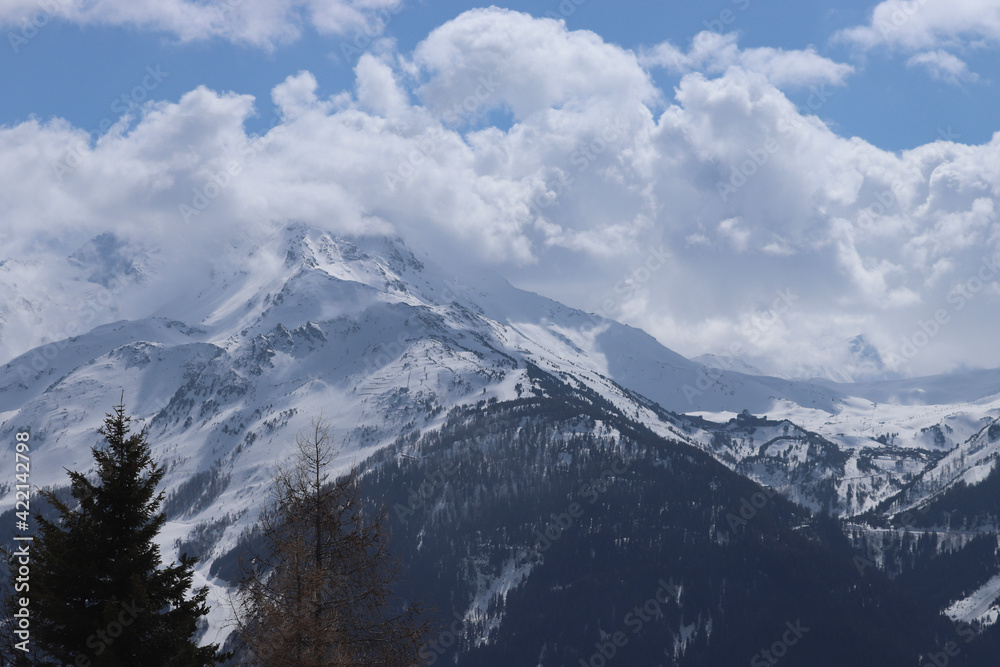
[107, 260]
[867, 356]
[720, 362]
[849, 361]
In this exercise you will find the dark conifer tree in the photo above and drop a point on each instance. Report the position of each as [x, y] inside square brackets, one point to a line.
[99, 593]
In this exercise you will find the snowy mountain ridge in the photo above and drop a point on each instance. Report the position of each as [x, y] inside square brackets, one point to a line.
[382, 343]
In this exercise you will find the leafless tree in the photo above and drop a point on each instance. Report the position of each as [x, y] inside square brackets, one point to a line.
[319, 592]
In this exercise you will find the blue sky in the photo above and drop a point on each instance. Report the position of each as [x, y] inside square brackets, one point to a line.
[77, 72]
[844, 151]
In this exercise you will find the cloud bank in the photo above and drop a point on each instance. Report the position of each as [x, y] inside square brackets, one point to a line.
[775, 235]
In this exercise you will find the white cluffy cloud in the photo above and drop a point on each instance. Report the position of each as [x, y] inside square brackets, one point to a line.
[772, 230]
[262, 23]
[932, 30]
[712, 52]
[944, 66]
[914, 25]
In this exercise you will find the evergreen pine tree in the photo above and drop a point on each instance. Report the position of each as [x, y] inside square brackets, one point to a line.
[99, 593]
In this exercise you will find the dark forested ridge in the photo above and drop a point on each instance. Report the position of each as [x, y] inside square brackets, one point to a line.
[555, 531]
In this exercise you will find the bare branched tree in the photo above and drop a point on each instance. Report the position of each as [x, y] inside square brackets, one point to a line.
[319, 592]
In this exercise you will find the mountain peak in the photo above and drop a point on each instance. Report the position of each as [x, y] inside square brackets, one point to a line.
[107, 258]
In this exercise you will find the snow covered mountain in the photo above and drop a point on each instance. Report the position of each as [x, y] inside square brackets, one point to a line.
[362, 331]
[384, 344]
